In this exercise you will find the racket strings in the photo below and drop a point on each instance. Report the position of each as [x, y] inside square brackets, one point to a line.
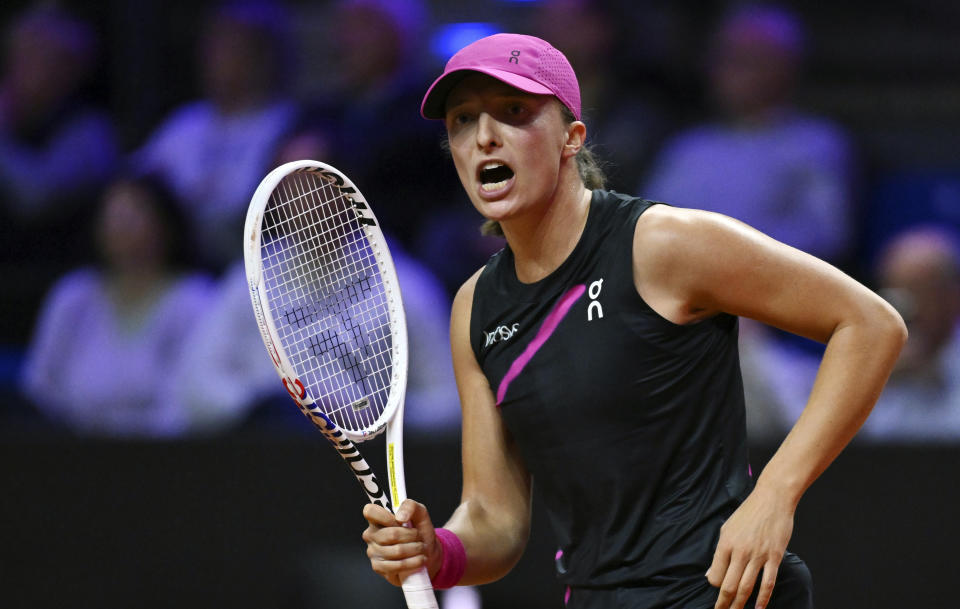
[349, 359]
[329, 301]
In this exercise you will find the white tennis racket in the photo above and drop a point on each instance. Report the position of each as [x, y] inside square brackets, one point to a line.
[326, 298]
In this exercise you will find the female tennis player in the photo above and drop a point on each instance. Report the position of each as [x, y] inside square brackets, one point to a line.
[597, 355]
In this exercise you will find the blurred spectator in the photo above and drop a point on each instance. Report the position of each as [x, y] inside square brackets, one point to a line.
[627, 116]
[762, 161]
[56, 150]
[451, 245]
[934, 196]
[225, 373]
[778, 376]
[432, 403]
[213, 150]
[109, 335]
[919, 273]
[374, 90]
[226, 378]
[53, 143]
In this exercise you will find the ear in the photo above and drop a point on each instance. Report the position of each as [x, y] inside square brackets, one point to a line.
[576, 136]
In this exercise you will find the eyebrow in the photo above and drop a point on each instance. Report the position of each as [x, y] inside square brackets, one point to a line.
[453, 105]
[455, 101]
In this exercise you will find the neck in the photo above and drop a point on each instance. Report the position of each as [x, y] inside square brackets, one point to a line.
[760, 116]
[240, 102]
[541, 242]
[137, 283]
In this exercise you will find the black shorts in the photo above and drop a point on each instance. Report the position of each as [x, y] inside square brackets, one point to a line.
[793, 590]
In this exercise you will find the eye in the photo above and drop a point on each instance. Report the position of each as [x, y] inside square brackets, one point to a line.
[458, 118]
[515, 111]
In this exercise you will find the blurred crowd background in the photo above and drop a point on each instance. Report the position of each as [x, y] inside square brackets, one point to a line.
[132, 136]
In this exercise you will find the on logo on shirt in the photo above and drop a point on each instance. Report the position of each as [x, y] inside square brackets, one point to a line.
[594, 293]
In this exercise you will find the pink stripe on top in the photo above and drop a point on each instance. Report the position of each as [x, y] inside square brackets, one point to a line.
[550, 324]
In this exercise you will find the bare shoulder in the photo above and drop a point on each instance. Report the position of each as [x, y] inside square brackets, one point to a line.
[690, 264]
[665, 231]
[463, 300]
[460, 323]
[672, 246]
[680, 245]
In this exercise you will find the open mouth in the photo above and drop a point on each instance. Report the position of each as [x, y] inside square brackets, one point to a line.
[494, 175]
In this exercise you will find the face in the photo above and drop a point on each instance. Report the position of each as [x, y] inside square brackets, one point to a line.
[507, 145]
[130, 232]
[40, 70]
[233, 60]
[368, 46]
[750, 71]
[920, 271]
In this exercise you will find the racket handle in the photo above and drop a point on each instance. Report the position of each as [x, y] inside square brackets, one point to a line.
[418, 591]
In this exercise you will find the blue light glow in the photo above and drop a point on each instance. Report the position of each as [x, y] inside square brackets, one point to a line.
[451, 37]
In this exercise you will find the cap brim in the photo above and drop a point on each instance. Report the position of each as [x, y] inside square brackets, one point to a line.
[434, 102]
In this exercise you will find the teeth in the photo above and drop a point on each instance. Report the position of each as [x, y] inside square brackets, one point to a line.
[493, 186]
[492, 165]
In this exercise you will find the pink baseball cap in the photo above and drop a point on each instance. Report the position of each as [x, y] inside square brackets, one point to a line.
[525, 62]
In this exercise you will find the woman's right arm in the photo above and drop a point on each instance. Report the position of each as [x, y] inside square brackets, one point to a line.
[493, 519]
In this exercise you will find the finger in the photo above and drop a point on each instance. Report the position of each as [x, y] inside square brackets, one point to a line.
[394, 571]
[718, 568]
[747, 581]
[379, 515]
[411, 565]
[391, 576]
[730, 584]
[400, 551]
[419, 519]
[767, 583]
[390, 536]
[411, 512]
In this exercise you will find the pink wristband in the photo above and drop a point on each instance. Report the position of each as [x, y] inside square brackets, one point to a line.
[454, 560]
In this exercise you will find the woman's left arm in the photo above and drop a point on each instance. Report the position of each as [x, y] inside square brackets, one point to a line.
[689, 265]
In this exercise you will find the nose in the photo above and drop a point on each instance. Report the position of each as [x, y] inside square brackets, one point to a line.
[488, 134]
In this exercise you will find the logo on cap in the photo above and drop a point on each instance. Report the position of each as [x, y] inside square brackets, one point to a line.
[514, 56]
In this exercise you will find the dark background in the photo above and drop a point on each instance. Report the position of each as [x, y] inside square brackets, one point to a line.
[261, 521]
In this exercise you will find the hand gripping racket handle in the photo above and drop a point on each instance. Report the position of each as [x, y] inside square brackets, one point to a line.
[418, 591]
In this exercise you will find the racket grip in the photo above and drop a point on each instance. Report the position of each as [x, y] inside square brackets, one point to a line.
[418, 591]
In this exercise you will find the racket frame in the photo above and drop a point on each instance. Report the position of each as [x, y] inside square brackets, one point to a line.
[417, 588]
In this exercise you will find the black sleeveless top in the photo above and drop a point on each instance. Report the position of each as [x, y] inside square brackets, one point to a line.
[632, 427]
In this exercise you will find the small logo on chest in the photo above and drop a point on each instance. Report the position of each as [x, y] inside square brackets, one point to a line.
[594, 308]
[500, 334]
